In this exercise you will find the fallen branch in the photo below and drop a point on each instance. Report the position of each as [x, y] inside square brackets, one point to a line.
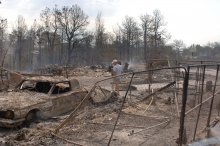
[73, 113]
[156, 117]
[149, 128]
[149, 103]
[116, 125]
[177, 103]
[159, 90]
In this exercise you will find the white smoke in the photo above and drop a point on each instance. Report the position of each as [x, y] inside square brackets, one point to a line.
[206, 142]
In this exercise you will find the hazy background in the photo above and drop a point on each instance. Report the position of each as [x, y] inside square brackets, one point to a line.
[193, 21]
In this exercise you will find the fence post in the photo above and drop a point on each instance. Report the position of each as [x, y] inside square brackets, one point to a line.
[213, 95]
[184, 99]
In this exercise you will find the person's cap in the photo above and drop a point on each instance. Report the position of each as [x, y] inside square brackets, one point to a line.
[114, 61]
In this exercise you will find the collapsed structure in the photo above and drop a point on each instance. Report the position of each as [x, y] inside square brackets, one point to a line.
[176, 105]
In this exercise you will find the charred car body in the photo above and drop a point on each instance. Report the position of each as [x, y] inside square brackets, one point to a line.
[39, 97]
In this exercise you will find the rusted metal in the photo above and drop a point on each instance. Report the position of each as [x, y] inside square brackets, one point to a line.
[210, 97]
[37, 96]
[184, 99]
[201, 98]
[120, 110]
[213, 96]
[200, 76]
[130, 77]
[172, 83]
[72, 114]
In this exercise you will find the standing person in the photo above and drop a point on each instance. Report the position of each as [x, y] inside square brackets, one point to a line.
[117, 70]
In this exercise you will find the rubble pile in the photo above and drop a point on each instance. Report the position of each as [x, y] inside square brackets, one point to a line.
[149, 112]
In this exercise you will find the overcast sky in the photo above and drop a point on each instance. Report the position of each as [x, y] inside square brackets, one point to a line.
[193, 21]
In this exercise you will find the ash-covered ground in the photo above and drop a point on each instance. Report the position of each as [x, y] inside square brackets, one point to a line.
[154, 121]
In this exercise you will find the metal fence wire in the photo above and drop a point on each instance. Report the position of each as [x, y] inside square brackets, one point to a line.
[147, 109]
[201, 104]
[177, 105]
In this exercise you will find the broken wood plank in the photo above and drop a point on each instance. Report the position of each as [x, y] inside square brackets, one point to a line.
[149, 104]
[159, 90]
[149, 127]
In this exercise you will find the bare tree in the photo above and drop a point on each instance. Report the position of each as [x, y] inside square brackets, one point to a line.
[177, 44]
[130, 35]
[32, 33]
[99, 30]
[159, 34]
[19, 34]
[86, 47]
[146, 22]
[34, 37]
[118, 41]
[99, 36]
[21, 28]
[50, 24]
[3, 50]
[73, 22]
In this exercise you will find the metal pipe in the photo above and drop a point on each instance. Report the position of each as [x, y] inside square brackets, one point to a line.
[197, 120]
[120, 110]
[189, 111]
[202, 65]
[74, 111]
[213, 93]
[150, 70]
[184, 99]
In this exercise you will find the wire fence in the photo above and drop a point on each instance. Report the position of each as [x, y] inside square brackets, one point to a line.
[174, 105]
[147, 108]
[202, 102]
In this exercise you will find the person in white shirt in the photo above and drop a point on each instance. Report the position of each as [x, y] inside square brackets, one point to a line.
[117, 70]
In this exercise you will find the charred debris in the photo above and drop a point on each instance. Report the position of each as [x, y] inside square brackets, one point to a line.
[161, 102]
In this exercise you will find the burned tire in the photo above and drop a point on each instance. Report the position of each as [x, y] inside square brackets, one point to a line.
[31, 117]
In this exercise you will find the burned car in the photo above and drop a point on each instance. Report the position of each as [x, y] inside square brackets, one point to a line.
[39, 97]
